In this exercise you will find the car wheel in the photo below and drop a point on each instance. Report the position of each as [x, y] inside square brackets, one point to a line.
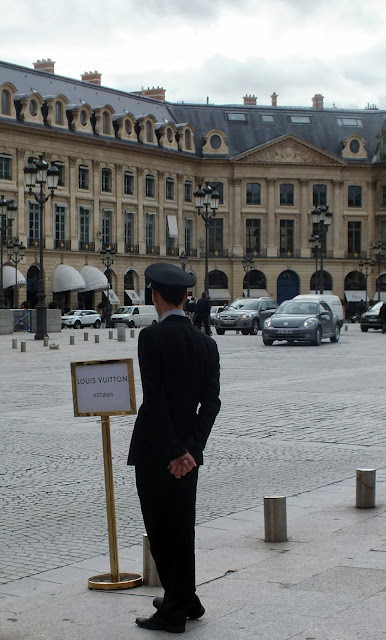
[254, 328]
[364, 329]
[245, 332]
[77, 325]
[131, 324]
[97, 324]
[318, 337]
[336, 336]
[267, 342]
[220, 332]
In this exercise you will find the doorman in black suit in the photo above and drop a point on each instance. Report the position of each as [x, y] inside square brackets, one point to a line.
[180, 379]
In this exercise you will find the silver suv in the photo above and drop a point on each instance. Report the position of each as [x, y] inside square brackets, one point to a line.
[244, 314]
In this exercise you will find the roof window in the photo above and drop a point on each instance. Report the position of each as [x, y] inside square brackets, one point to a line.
[301, 119]
[349, 122]
[239, 117]
[266, 118]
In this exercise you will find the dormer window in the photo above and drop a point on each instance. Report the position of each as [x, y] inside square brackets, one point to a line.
[149, 131]
[106, 123]
[58, 113]
[128, 127]
[33, 108]
[5, 102]
[354, 145]
[188, 139]
[83, 118]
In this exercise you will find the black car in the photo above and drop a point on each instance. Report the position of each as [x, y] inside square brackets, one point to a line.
[301, 321]
[370, 319]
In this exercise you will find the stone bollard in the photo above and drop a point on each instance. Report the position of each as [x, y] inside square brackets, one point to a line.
[111, 335]
[132, 333]
[346, 327]
[85, 337]
[365, 489]
[97, 339]
[275, 519]
[150, 573]
[45, 342]
[23, 347]
[121, 332]
[14, 343]
[72, 340]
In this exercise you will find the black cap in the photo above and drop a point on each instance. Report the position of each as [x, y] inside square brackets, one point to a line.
[168, 275]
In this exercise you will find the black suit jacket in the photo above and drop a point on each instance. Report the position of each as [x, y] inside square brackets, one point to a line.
[180, 378]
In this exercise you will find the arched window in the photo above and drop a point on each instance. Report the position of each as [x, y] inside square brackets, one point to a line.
[58, 112]
[106, 123]
[256, 279]
[188, 139]
[355, 281]
[217, 279]
[149, 131]
[315, 282]
[5, 102]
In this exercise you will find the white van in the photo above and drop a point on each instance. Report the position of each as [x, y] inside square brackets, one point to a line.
[333, 302]
[140, 315]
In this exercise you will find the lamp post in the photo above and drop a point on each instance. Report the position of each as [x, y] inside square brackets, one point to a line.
[183, 260]
[107, 256]
[16, 255]
[316, 246]
[378, 251]
[206, 203]
[366, 267]
[6, 205]
[37, 172]
[247, 263]
[321, 217]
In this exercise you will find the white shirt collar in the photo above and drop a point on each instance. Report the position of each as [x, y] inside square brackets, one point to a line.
[176, 312]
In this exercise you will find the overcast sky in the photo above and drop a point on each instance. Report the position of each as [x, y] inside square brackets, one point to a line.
[220, 49]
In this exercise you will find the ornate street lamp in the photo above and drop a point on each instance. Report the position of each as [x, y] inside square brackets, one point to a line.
[321, 217]
[183, 260]
[316, 247]
[247, 263]
[6, 205]
[16, 254]
[378, 251]
[37, 172]
[206, 203]
[107, 256]
[367, 268]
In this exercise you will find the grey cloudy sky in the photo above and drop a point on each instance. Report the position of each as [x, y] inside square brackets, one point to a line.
[221, 49]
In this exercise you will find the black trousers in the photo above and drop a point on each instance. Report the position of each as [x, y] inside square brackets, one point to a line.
[169, 513]
[204, 319]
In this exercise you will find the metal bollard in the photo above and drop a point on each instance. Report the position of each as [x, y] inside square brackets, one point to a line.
[23, 347]
[72, 340]
[45, 342]
[14, 343]
[85, 337]
[121, 332]
[275, 519]
[97, 339]
[365, 488]
[150, 573]
[346, 327]
[111, 335]
[132, 333]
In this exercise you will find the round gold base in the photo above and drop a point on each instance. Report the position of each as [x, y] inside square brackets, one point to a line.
[104, 581]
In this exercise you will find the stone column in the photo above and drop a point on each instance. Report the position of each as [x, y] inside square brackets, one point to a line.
[161, 215]
[271, 220]
[305, 250]
[236, 240]
[339, 235]
[119, 228]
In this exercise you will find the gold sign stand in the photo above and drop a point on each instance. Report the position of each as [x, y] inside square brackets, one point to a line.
[114, 579]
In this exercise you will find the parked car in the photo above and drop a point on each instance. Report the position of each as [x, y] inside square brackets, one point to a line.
[301, 321]
[140, 315]
[213, 311]
[81, 318]
[244, 314]
[370, 319]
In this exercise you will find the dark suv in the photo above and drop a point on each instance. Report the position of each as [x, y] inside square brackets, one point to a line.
[244, 314]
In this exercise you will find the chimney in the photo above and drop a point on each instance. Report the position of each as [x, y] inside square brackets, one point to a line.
[93, 77]
[317, 101]
[274, 99]
[250, 100]
[157, 93]
[45, 65]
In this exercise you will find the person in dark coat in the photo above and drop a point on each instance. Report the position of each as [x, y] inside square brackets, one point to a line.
[203, 313]
[382, 315]
[180, 404]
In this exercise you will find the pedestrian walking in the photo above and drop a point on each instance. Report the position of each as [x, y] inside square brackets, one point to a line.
[180, 404]
[382, 315]
[203, 313]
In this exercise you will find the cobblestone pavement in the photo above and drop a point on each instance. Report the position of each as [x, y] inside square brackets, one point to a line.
[293, 418]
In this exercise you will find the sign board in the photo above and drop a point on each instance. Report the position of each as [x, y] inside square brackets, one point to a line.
[103, 388]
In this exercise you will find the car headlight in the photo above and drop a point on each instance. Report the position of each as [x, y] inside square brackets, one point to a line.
[310, 322]
[218, 316]
[246, 315]
[268, 322]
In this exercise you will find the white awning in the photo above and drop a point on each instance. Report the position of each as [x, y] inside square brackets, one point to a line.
[375, 296]
[355, 296]
[94, 278]
[256, 293]
[219, 294]
[9, 277]
[134, 297]
[113, 297]
[67, 278]
[172, 226]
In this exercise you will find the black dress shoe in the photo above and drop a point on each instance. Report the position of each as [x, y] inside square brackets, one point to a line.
[156, 623]
[197, 610]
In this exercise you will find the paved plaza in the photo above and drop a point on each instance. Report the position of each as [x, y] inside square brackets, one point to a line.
[295, 421]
